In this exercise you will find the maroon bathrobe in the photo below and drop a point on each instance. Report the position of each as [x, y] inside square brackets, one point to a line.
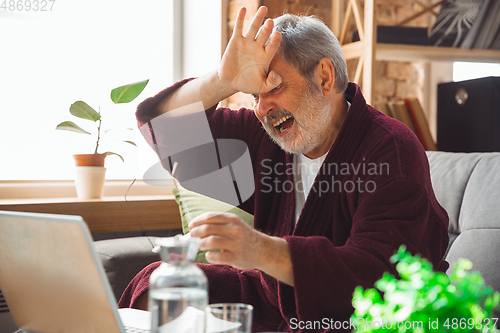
[373, 194]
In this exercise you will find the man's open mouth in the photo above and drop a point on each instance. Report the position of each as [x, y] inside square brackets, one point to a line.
[284, 123]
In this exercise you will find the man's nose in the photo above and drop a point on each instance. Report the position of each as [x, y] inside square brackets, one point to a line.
[264, 106]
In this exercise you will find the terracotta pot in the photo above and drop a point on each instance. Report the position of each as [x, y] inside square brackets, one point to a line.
[89, 159]
[89, 175]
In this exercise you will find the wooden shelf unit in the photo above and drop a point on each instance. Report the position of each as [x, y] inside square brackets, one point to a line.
[399, 52]
[368, 50]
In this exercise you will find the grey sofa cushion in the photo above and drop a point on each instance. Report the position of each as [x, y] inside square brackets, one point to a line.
[481, 203]
[450, 174]
[482, 247]
[123, 258]
[468, 187]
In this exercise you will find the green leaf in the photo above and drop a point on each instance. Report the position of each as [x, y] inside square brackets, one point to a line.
[82, 110]
[423, 296]
[128, 93]
[111, 153]
[114, 129]
[71, 126]
[130, 142]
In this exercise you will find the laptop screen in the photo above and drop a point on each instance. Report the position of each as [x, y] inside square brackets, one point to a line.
[51, 278]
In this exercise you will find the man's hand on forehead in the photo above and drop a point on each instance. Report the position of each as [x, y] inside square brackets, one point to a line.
[245, 64]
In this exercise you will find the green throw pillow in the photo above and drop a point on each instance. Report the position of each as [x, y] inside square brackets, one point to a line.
[194, 204]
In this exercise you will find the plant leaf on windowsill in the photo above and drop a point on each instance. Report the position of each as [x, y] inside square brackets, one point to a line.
[114, 129]
[129, 142]
[111, 153]
[71, 126]
[128, 93]
[82, 110]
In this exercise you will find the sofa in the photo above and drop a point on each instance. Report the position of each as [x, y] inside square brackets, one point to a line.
[466, 184]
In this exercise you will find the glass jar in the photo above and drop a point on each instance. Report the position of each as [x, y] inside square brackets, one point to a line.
[178, 289]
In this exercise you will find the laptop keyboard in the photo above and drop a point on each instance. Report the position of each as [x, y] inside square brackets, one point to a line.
[129, 329]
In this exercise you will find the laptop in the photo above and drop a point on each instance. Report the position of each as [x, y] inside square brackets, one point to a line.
[54, 281]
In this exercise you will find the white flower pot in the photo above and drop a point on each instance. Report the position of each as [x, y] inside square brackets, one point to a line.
[89, 181]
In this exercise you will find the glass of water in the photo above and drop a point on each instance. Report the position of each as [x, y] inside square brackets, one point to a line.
[229, 317]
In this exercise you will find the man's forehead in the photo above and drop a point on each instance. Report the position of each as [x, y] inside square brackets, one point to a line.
[285, 70]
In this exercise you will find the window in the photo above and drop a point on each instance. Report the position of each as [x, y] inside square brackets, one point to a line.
[80, 50]
[473, 70]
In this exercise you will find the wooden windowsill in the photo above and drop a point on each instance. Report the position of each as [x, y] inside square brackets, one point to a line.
[29, 201]
[109, 214]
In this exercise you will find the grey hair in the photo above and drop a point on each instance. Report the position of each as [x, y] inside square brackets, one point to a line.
[305, 41]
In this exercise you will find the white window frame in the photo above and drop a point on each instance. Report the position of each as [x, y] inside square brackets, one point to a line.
[29, 191]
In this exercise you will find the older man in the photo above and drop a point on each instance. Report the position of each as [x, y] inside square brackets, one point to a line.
[338, 185]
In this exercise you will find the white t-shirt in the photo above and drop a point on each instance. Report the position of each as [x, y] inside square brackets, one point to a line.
[305, 171]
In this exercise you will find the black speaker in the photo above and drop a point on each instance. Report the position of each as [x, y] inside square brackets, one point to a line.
[468, 115]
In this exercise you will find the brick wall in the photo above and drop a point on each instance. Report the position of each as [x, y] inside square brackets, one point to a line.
[398, 80]
[319, 8]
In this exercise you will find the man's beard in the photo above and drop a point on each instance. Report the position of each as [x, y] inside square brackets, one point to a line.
[312, 126]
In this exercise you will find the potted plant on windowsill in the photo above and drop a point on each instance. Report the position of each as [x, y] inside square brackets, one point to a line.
[90, 171]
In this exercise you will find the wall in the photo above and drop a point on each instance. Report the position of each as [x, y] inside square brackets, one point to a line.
[398, 80]
[319, 8]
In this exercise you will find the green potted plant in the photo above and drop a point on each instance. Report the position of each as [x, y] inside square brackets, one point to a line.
[422, 300]
[90, 172]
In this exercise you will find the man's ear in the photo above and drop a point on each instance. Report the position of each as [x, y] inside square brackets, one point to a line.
[325, 76]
